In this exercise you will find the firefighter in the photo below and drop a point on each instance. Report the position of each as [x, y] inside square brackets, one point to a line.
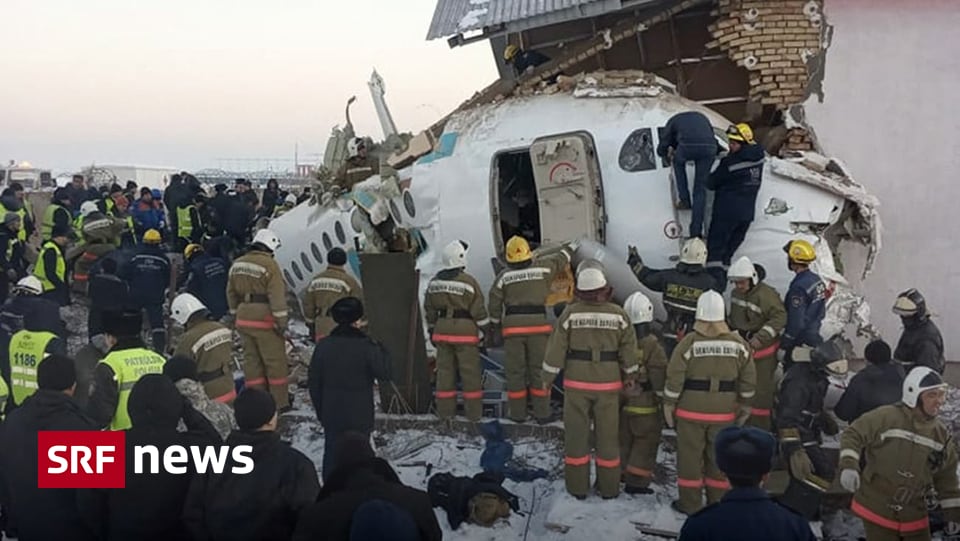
[148, 275]
[596, 347]
[57, 214]
[115, 375]
[806, 300]
[28, 348]
[257, 298]
[640, 418]
[911, 463]
[326, 288]
[99, 235]
[205, 277]
[454, 310]
[51, 267]
[710, 382]
[289, 202]
[523, 61]
[518, 304]
[681, 287]
[801, 418]
[359, 166]
[757, 313]
[921, 343]
[208, 343]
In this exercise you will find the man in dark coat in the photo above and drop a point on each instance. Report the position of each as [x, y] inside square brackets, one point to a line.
[879, 384]
[41, 514]
[264, 504]
[237, 219]
[150, 507]
[205, 277]
[342, 372]
[13, 263]
[149, 277]
[691, 137]
[746, 512]
[364, 499]
[921, 343]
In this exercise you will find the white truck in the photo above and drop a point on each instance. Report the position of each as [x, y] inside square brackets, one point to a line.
[30, 177]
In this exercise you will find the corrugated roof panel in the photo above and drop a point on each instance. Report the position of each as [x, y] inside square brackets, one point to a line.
[457, 16]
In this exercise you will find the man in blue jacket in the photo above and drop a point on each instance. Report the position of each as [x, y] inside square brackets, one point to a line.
[806, 301]
[691, 137]
[736, 182]
[146, 213]
[205, 277]
[746, 512]
[148, 275]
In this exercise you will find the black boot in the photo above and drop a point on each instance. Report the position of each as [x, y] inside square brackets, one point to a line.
[630, 489]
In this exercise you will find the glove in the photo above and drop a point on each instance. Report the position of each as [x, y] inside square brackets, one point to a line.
[634, 260]
[781, 355]
[668, 409]
[828, 424]
[800, 465]
[951, 528]
[755, 344]
[742, 415]
[850, 481]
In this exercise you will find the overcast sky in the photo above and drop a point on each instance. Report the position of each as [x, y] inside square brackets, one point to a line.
[188, 82]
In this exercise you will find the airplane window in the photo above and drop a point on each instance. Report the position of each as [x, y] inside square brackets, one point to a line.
[326, 242]
[306, 262]
[286, 274]
[355, 220]
[296, 270]
[637, 153]
[338, 229]
[316, 252]
[395, 211]
[408, 204]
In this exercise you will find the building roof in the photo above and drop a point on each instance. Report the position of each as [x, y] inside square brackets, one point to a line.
[453, 17]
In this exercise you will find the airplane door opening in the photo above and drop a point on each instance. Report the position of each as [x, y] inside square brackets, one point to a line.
[516, 208]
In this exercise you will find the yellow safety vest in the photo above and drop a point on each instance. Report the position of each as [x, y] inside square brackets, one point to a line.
[27, 351]
[184, 223]
[10, 248]
[4, 393]
[22, 234]
[128, 366]
[40, 271]
[46, 228]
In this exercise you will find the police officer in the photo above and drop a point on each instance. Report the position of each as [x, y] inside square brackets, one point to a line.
[205, 277]
[921, 343]
[518, 303]
[208, 343]
[256, 295]
[51, 267]
[28, 349]
[801, 418]
[125, 363]
[736, 182]
[148, 275]
[26, 309]
[806, 300]
[681, 287]
[640, 418]
[56, 215]
[326, 288]
[757, 313]
[596, 347]
[189, 226]
[454, 310]
[746, 512]
[710, 382]
[911, 462]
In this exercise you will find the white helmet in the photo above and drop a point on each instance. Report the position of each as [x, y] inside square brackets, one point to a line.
[184, 306]
[694, 252]
[639, 308]
[87, 208]
[710, 307]
[268, 239]
[743, 269]
[591, 279]
[31, 285]
[455, 255]
[589, 264]
[290, 199]
[353, 147]
[920, 379]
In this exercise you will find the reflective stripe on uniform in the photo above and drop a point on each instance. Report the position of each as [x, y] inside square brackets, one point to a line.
[328, 284]
[254, 324]
[589, 386]
[640, 410]
[748, 394]
[535, 391]
[950, 503]
[849, 453]
[483, 322]
[769, 330]
[550, 369]
[912, 436]
[767, 351]
[446, 394]
[257, 381]
[746, 304]
[722, 484]
[451, 287]
[472, 395]
[595, 320]
[280, 313]
[604, 463]
[705, 417]
[532, 329]
[517, 395]
[212, 339]
[639, 472]
[225, 398]
[717, 348]
[689, 483]
[744, 165]
[522, 275]
[128, 366]
[670, 394]
[757, 412]
[576, 460]
[455, 339]
[866, 514]
[248, 269]
[40, 270]
[631, 369]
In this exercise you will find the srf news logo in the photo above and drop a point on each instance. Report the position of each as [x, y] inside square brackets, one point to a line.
[68, 459]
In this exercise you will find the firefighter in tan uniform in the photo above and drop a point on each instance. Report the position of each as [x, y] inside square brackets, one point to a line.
[359, 166]
[325, 290]
[911, 463]
[208, 344]
[596, 348]
[518, 304]
[455, 312]
[710, 379]
[758, 314]
[257, 298]
[640, 418]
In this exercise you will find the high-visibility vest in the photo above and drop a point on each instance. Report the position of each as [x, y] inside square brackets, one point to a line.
[184, 223]
[4, 393]
[40, 271]
[46, 227]
[27, 350]
[22, 234]
[11, 246]
[128, 366]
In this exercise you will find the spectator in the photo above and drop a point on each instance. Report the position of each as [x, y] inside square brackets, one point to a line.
[146, 214]
[879, 384]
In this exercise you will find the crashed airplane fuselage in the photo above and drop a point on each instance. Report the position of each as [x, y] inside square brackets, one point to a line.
[581, 163]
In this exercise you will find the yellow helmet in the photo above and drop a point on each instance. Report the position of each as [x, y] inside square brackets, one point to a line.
[518, 250]
[191, 249]
[740, 132]
[510, 52]
[152, 236]
[800, 251]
